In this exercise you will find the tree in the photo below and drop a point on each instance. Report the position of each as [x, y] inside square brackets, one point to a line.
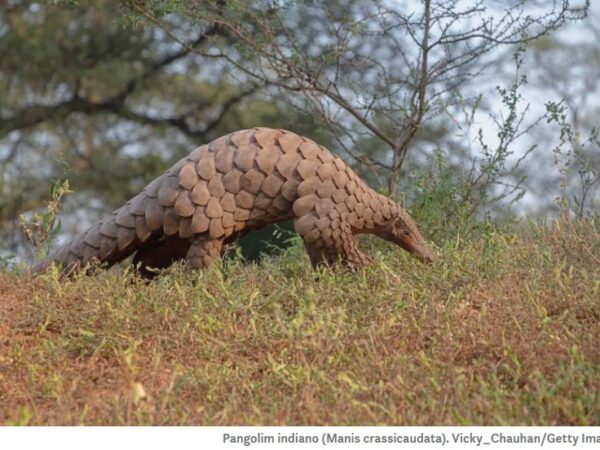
[89, 93]
[107, 105]
[376, 72]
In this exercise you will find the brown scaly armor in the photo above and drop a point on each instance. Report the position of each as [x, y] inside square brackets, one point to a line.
[239, 182]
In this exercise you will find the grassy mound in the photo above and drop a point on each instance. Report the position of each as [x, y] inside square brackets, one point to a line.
[502, 329]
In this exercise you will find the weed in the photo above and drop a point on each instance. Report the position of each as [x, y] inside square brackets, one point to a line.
[42, 228]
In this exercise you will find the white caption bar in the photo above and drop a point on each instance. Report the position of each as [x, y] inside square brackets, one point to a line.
[182, 438]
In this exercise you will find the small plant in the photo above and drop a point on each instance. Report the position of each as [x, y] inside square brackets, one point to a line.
[511, 126]
[452, 199]
[572, 158]
[41, 229]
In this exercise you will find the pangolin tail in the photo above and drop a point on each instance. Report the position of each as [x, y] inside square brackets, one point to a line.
[107, 242]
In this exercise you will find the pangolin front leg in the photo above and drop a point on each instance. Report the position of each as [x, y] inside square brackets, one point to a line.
[328, 242]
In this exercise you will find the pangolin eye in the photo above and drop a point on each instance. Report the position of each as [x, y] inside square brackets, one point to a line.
[406, 232]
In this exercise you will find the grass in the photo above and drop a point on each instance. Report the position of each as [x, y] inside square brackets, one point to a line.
[503, 329]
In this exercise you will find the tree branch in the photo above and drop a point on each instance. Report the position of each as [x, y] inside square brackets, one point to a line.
[36, 114]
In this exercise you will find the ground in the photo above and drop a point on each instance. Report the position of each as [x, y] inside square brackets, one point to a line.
[503, 329]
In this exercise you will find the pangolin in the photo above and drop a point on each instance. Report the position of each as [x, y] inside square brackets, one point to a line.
[239, 182]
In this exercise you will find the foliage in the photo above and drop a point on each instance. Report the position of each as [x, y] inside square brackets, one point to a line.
[381, 69]
[448, 197]
[270, 240]
[501, 330]
[566, 74]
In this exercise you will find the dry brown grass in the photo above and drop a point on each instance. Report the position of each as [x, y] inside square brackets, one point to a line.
[503, 329]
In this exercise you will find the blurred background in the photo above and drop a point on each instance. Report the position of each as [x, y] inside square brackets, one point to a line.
[465, 111]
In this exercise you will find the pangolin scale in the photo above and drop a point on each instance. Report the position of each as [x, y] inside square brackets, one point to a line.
[239, 182]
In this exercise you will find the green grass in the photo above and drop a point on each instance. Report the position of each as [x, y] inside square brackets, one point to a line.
[503, 329]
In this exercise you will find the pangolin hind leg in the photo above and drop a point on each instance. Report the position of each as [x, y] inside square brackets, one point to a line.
[203, 252]
[321, 257]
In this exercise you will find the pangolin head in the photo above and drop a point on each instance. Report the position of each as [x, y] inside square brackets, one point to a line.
[402, 230]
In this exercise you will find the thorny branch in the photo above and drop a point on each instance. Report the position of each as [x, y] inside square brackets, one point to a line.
[387, 70]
